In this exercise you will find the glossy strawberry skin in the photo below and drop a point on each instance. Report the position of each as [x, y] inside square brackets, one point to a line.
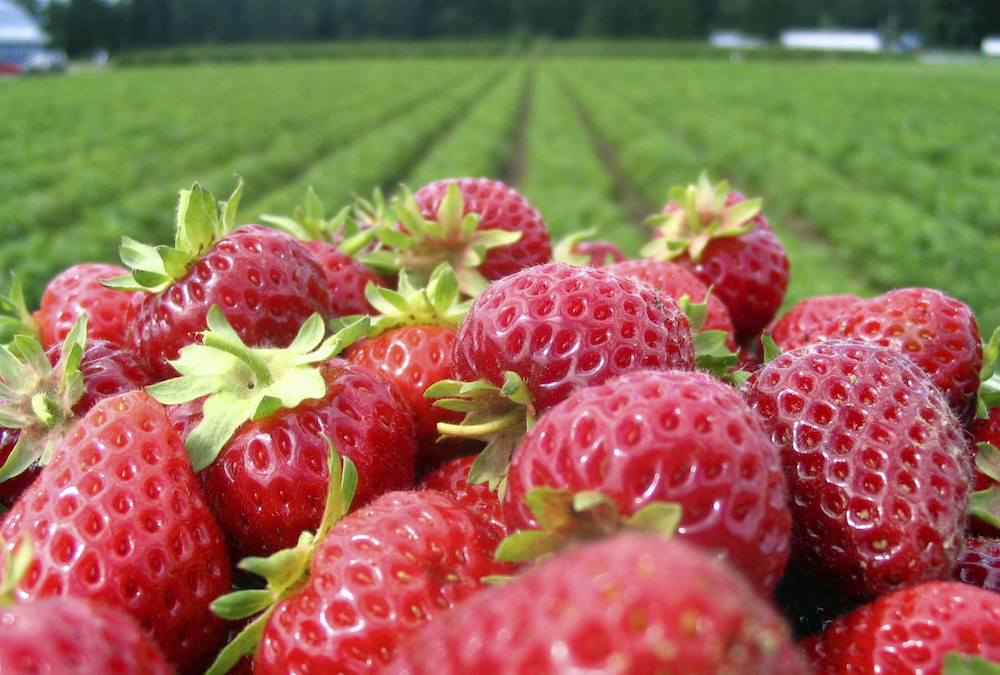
[630, 604]
[78, 290]
[70, 635]
[806, 320]
[978, 562]
[379, 574]
[910, 630]
[935, 331]
[117, 517]
[346, 276]
[562, 327]
[269, 483]
[500, 207]
[660, 436]
[677, 281]
[984, 430]
[749, 273]
[877, 464]
[414, 357]
[452, 478]
[266, 283]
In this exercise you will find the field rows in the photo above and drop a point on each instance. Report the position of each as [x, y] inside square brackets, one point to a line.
[875, 175]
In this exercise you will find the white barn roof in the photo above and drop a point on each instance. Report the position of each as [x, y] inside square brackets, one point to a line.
[845, 40]
[16, 25]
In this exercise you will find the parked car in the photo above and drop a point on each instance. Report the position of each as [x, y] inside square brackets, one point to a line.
[46, 61]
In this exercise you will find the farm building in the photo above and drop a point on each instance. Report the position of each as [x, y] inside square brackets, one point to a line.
[832, 40]
[21, 39]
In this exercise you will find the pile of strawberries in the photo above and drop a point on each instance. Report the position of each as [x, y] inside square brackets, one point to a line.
[418, 436]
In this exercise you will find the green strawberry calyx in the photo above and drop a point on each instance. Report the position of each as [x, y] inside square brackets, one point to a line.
[500, 416]
[438, 303]
[38, 397]
[15, 317]
[989, 378]
[284, 571]
[452, 236]
[985, 504]
[565, 517]
[701, 216]
[201, 222]
[241, 383]
[18, 560]
[958, 663]
[309, 222]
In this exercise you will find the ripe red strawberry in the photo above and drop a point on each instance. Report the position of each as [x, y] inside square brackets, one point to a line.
[45, 393]
[410, 340]
[629, 604]
[677, 282]
[78, 290]
[978, 562]
[117, 517]
[336, 242]
[266, 282]
[877, 463]
[379, 574]
[562, 327]
[910, 630]
[346, 276]
[482, 227]
[70, 636]
[724, 238]
[452, 478]
[935, 331]
[669, 437]
[257, 421]
[807, 319]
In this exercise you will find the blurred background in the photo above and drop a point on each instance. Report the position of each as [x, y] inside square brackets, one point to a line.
[86, 27]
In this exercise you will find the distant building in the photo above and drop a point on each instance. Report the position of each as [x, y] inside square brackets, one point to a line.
[991, 45]
[734, 39]
[832, 40]
[22, 41]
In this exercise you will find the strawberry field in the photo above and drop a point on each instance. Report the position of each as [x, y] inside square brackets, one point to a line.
[876, 174]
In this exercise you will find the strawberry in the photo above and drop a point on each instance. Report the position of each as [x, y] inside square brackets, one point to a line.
[336, 242]
[346, 595]
[978, 562]
[679, 282]
[266, 282]
[633, 603]
[44, 393]
[452, 478]
[379, 574]
[934, 330]
[561, 327]
[724, 238]
[410, 340]
[70, 636]
[877, 463]
[482, 227]
[116, 516]
[911, 630]
[806, 320]
[256, 423]
[671, 437]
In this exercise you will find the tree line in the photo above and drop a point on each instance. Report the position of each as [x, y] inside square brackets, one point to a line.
[84, 26]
